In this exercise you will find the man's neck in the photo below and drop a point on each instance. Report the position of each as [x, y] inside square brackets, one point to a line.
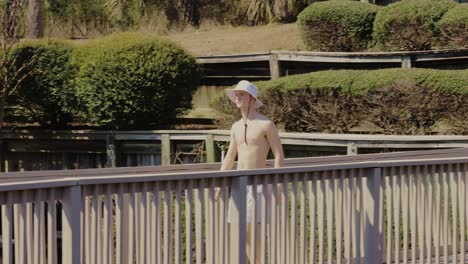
[248, 116]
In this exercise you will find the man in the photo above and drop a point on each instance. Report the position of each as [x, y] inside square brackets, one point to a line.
[251, 139]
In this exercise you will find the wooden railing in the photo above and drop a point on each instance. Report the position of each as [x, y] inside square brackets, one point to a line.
[36, 150]
[398, 207]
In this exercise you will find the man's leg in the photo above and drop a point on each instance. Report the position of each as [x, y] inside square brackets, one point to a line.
[257, 244]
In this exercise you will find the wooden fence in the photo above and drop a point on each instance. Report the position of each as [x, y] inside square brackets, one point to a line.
[400, 207]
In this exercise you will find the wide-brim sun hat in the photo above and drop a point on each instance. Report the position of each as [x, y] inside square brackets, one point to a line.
[245, 86]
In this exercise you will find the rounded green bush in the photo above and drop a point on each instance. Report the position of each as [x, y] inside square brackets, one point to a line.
[391, 101]
[46, 75]
[131, 82]
[409, 24]
[454, 27]
[337, 25]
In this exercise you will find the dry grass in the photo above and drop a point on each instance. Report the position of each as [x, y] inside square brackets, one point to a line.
[222, 40]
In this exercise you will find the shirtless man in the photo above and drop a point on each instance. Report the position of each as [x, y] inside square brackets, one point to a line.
[251, 139]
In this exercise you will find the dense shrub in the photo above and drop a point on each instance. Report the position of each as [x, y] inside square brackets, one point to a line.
[454, 27]
[131, 81]
[46, 82]
[409, 25]
[337, 25]
[394, 101]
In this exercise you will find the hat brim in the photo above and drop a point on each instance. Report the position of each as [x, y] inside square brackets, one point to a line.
[232, 96]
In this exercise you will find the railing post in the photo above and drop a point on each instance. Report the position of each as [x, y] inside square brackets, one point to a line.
[71, 225]
[210, 148]
[165, 149]
[406, 62]
[371, 205]
[3, 155]
[110, 151]
[352, 149]
[275, 71]
[238, 214]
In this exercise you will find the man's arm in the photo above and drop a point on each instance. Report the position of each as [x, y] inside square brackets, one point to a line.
[228, 161]
[275, 144]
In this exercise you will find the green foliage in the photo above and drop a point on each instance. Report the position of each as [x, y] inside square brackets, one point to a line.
[46, 81]
[337, 25]
[396, 101]
[131, 81]
[410, 24]
[454, 27]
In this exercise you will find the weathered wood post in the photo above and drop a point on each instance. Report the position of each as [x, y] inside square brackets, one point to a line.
[111, 151]
[406, 62]
[238, 214]
[3, 155]
[165, 149]
[371, 196]
[352, 148]
[275, 70]
[210, 148]
[71, 225]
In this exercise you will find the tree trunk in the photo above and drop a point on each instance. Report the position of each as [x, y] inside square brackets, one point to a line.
[36, 19]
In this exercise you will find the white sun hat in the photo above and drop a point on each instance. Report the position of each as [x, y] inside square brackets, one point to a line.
[245, 86]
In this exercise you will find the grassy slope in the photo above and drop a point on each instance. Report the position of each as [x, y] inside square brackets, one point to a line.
[224, 40]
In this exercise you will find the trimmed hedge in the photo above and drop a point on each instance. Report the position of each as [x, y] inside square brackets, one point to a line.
[46, 87]
[129, 81]
[393, 101]
[454, 27]
[337, 25]
[410, 24]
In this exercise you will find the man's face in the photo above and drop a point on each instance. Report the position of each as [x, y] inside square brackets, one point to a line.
[242, 99]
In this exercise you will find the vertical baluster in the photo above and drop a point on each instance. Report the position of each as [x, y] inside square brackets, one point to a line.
[108, 234]
[454, 204]
[271, 201]
[293, 224]
[321, 217]
[253, 221]
[94, 225]
[178, 247]
[199, 201]
[312, 196]
[421, 175]
[52, 229]
[284, 219]
[396, 212]
[348, 213]
[339, 178]
[263, 231]
[156, 224]
[462, 205]
[7, 229]
[144, 227]
[168, 250]
[389, 198]
[437, 233]
[303, 237]
[405, 214]
[224, 229]
[188, 223]
[430, 187]
[415, 212]
[329, 205]
[210, 192]
[446, 213]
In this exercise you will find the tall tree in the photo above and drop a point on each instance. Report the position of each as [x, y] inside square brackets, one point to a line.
[36, 18]
[11, 12]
